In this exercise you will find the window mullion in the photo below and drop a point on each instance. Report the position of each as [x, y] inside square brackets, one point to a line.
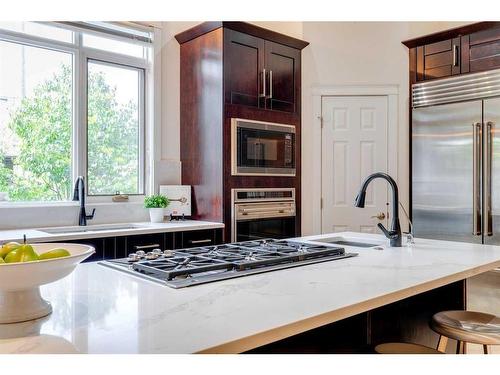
[81, 128]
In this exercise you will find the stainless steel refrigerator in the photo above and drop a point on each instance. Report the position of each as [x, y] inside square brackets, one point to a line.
[456, 160]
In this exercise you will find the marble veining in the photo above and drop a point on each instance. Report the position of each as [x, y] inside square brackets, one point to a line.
[101, 310]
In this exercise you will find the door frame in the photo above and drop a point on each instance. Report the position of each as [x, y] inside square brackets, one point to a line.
[318, 92]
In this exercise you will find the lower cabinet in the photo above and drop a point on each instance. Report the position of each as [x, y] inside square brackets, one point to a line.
[120, 247]
[197, 238]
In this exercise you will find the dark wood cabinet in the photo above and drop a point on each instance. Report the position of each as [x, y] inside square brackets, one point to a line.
[244, 74]
[283, 70]
[233, 70]
[466, 49]
[260, 73]
[98, 244]
[481, 51]
[438, 60]
[197, 238]
[147, 242]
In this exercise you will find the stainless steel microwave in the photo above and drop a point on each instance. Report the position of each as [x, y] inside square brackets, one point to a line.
[262, 148]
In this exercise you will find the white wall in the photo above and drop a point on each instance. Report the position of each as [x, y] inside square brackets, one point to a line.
[362, 53]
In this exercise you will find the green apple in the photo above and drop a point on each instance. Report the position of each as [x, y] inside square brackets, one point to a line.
[8, 247]
[1, 260]
[54, 253]
[24, 253]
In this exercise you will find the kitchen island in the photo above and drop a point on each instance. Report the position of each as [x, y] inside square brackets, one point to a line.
[101, 310]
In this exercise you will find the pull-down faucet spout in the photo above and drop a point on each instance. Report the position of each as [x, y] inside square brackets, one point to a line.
[394, 235]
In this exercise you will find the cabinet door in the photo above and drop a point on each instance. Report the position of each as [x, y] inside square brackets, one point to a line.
[197, 238]
[97, 243]
[243, 69]
[438, 60]
[282, 65]
[481, 51]
[148, 242]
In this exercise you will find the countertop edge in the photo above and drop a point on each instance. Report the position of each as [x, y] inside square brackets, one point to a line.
[288, 330]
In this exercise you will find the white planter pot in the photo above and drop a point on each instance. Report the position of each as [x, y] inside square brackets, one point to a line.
[156, 215]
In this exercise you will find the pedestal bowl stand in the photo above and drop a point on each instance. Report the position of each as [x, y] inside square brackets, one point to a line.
[20, 298]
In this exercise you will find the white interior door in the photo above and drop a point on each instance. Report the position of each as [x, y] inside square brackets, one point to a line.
[354, 145]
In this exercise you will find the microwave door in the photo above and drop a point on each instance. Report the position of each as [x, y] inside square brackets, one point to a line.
[262, 148]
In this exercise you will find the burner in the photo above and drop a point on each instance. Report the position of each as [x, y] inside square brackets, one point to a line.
[171, 268]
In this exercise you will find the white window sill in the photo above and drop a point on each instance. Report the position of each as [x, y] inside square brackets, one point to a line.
[101, 201]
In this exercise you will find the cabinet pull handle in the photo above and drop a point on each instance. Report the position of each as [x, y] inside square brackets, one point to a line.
[488, 152]
[455, 55]
[200, 241]
[270, 84]
[476, 164]
[141, 247]
[263, 95]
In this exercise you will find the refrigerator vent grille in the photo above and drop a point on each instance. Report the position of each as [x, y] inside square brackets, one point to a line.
[457, 89]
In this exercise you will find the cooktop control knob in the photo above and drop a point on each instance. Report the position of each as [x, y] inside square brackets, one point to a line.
[169, 253]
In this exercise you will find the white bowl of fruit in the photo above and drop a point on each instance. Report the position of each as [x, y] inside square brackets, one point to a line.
[24, 267]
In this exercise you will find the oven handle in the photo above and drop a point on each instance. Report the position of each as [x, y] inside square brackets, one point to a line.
[277, 209]
[265, 214]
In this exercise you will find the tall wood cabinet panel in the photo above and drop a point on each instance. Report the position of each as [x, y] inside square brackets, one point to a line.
[253, 73]
[201, 102]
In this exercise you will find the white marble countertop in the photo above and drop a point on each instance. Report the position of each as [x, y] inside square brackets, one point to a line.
[101, 310]
[111, 230]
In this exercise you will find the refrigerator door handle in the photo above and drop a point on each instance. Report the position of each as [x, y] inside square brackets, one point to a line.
[476, 172]
[487, 160]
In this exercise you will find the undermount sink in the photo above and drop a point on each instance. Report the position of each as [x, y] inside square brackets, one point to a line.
[354, 242]
[90, 228]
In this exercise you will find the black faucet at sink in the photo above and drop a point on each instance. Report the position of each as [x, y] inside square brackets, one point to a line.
[394, 235]
[79, 195]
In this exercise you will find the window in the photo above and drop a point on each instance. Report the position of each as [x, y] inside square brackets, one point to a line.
[71, 103]
[113, 128]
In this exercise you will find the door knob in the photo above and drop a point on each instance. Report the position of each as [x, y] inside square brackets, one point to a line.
[380, 216]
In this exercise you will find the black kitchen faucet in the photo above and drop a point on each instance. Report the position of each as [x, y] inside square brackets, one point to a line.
[394, 235]
[79, 195]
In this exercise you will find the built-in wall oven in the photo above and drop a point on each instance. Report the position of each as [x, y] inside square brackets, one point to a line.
[262, 213]
[262, 148]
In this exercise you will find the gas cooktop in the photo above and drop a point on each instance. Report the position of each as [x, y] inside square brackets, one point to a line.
[198, 265]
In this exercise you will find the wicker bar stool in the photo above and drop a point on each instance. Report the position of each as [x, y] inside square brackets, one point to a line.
[404, 348]
[466, 326]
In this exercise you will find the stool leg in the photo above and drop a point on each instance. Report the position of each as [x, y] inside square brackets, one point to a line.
[460, 347]
[485, 349]
[442, 342]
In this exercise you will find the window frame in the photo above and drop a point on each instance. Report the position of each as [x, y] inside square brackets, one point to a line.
[79, 150]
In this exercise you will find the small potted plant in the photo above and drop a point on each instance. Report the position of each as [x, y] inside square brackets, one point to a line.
[156, 204]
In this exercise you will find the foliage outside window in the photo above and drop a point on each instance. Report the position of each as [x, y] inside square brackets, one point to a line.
[41, 141]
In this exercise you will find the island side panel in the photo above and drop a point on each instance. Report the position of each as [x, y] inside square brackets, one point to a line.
[402, 321]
